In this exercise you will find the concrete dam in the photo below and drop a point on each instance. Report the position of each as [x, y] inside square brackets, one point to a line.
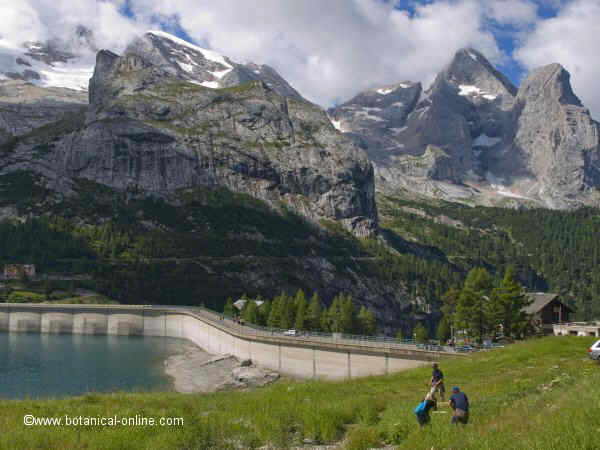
[328, 357]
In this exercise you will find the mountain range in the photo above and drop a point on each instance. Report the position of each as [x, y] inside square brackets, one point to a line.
[167, 115]
[471, 137]
[474, 137]
[177, 161]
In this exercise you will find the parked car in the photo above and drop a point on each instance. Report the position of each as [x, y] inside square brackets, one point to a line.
[291, 333]
[594, 350]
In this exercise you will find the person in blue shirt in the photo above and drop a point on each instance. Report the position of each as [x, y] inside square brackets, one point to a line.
[459, 402]
[424, 408]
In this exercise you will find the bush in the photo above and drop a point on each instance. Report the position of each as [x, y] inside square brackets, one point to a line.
[362, 438]
[421, 334]
[25, 297]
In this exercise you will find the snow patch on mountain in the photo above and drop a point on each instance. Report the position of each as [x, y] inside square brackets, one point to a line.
[208, 54]
[384, 91]
[337, 124]
[498, 186]
[466, 90]
[208, 84]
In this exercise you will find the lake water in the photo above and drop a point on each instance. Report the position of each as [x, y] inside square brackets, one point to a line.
[51, 365]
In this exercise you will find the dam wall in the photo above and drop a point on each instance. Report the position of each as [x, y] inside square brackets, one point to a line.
[297, 356]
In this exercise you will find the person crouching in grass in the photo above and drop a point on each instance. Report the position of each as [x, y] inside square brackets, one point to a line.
[459, 402]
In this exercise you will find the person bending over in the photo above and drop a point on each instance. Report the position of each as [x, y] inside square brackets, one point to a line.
[459, 402]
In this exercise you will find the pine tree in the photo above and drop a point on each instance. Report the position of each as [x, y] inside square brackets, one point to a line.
[443, 330]
[314, 313]
[420, 333]
[287, 311]
[347, 314]
[299, 297]
[250, 313]
[334, 315]
[264, 311]
[449, 302]
[472, 309]
[274, 320]
[301, 306]
[229, 310]
[367, 322]
[509, 301]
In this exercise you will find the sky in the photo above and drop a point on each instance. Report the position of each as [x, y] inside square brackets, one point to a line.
[331, 50]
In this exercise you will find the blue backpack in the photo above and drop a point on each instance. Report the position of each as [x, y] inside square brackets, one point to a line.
[420, 409]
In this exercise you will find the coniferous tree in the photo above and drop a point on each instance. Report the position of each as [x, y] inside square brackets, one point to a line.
[509, 301]
[287, 311]
[264, 311]
[472, 310]
[367, 322]
[301, 307]
[334, 315]
[250, 313]
[314, 313]
[229, 309]
[325, 321]
[449, 302]
[421, 334]
[274, 320]
[443, 330]
[347, 314]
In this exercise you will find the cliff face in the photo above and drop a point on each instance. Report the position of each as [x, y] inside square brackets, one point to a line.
[472, 136]
[149, 130]
[557, 139]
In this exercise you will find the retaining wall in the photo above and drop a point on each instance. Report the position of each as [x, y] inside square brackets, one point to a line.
[294, 356]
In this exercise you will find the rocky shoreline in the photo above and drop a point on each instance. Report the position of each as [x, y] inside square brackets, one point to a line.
[195, 371]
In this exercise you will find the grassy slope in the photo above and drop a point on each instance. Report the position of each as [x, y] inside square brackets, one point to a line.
[510, 409]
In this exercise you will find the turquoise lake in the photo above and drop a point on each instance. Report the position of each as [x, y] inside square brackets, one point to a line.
[51, 365]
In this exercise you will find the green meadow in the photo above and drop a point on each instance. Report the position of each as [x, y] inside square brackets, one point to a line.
[538, 394]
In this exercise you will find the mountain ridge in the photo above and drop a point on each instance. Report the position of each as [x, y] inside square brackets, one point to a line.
[464, 138]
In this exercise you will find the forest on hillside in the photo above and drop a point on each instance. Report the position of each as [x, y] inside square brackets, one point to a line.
[555, 251]
[148, 251]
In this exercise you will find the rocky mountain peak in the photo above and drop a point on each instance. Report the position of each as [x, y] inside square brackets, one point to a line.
[558, 138]
[552, 82]
[177, 57]
[476, 77]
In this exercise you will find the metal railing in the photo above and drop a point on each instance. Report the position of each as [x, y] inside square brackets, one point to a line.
[314, 336]
[229, 323]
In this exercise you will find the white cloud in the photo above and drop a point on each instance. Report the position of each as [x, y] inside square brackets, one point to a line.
[511, 12]
[20, 22]
[33, 20]
[570, 39]
[331, 50]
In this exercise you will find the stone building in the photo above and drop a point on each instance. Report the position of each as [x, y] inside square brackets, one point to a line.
[16, 271]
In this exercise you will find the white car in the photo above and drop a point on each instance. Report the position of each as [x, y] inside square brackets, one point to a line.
[594, 350]
[291, 333]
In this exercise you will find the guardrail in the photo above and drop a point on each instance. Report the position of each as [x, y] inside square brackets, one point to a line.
[317, 336]
[248, 329]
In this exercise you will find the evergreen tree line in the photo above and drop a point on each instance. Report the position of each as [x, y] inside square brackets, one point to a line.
[554, 251]
[297, 312]
[484, 308]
